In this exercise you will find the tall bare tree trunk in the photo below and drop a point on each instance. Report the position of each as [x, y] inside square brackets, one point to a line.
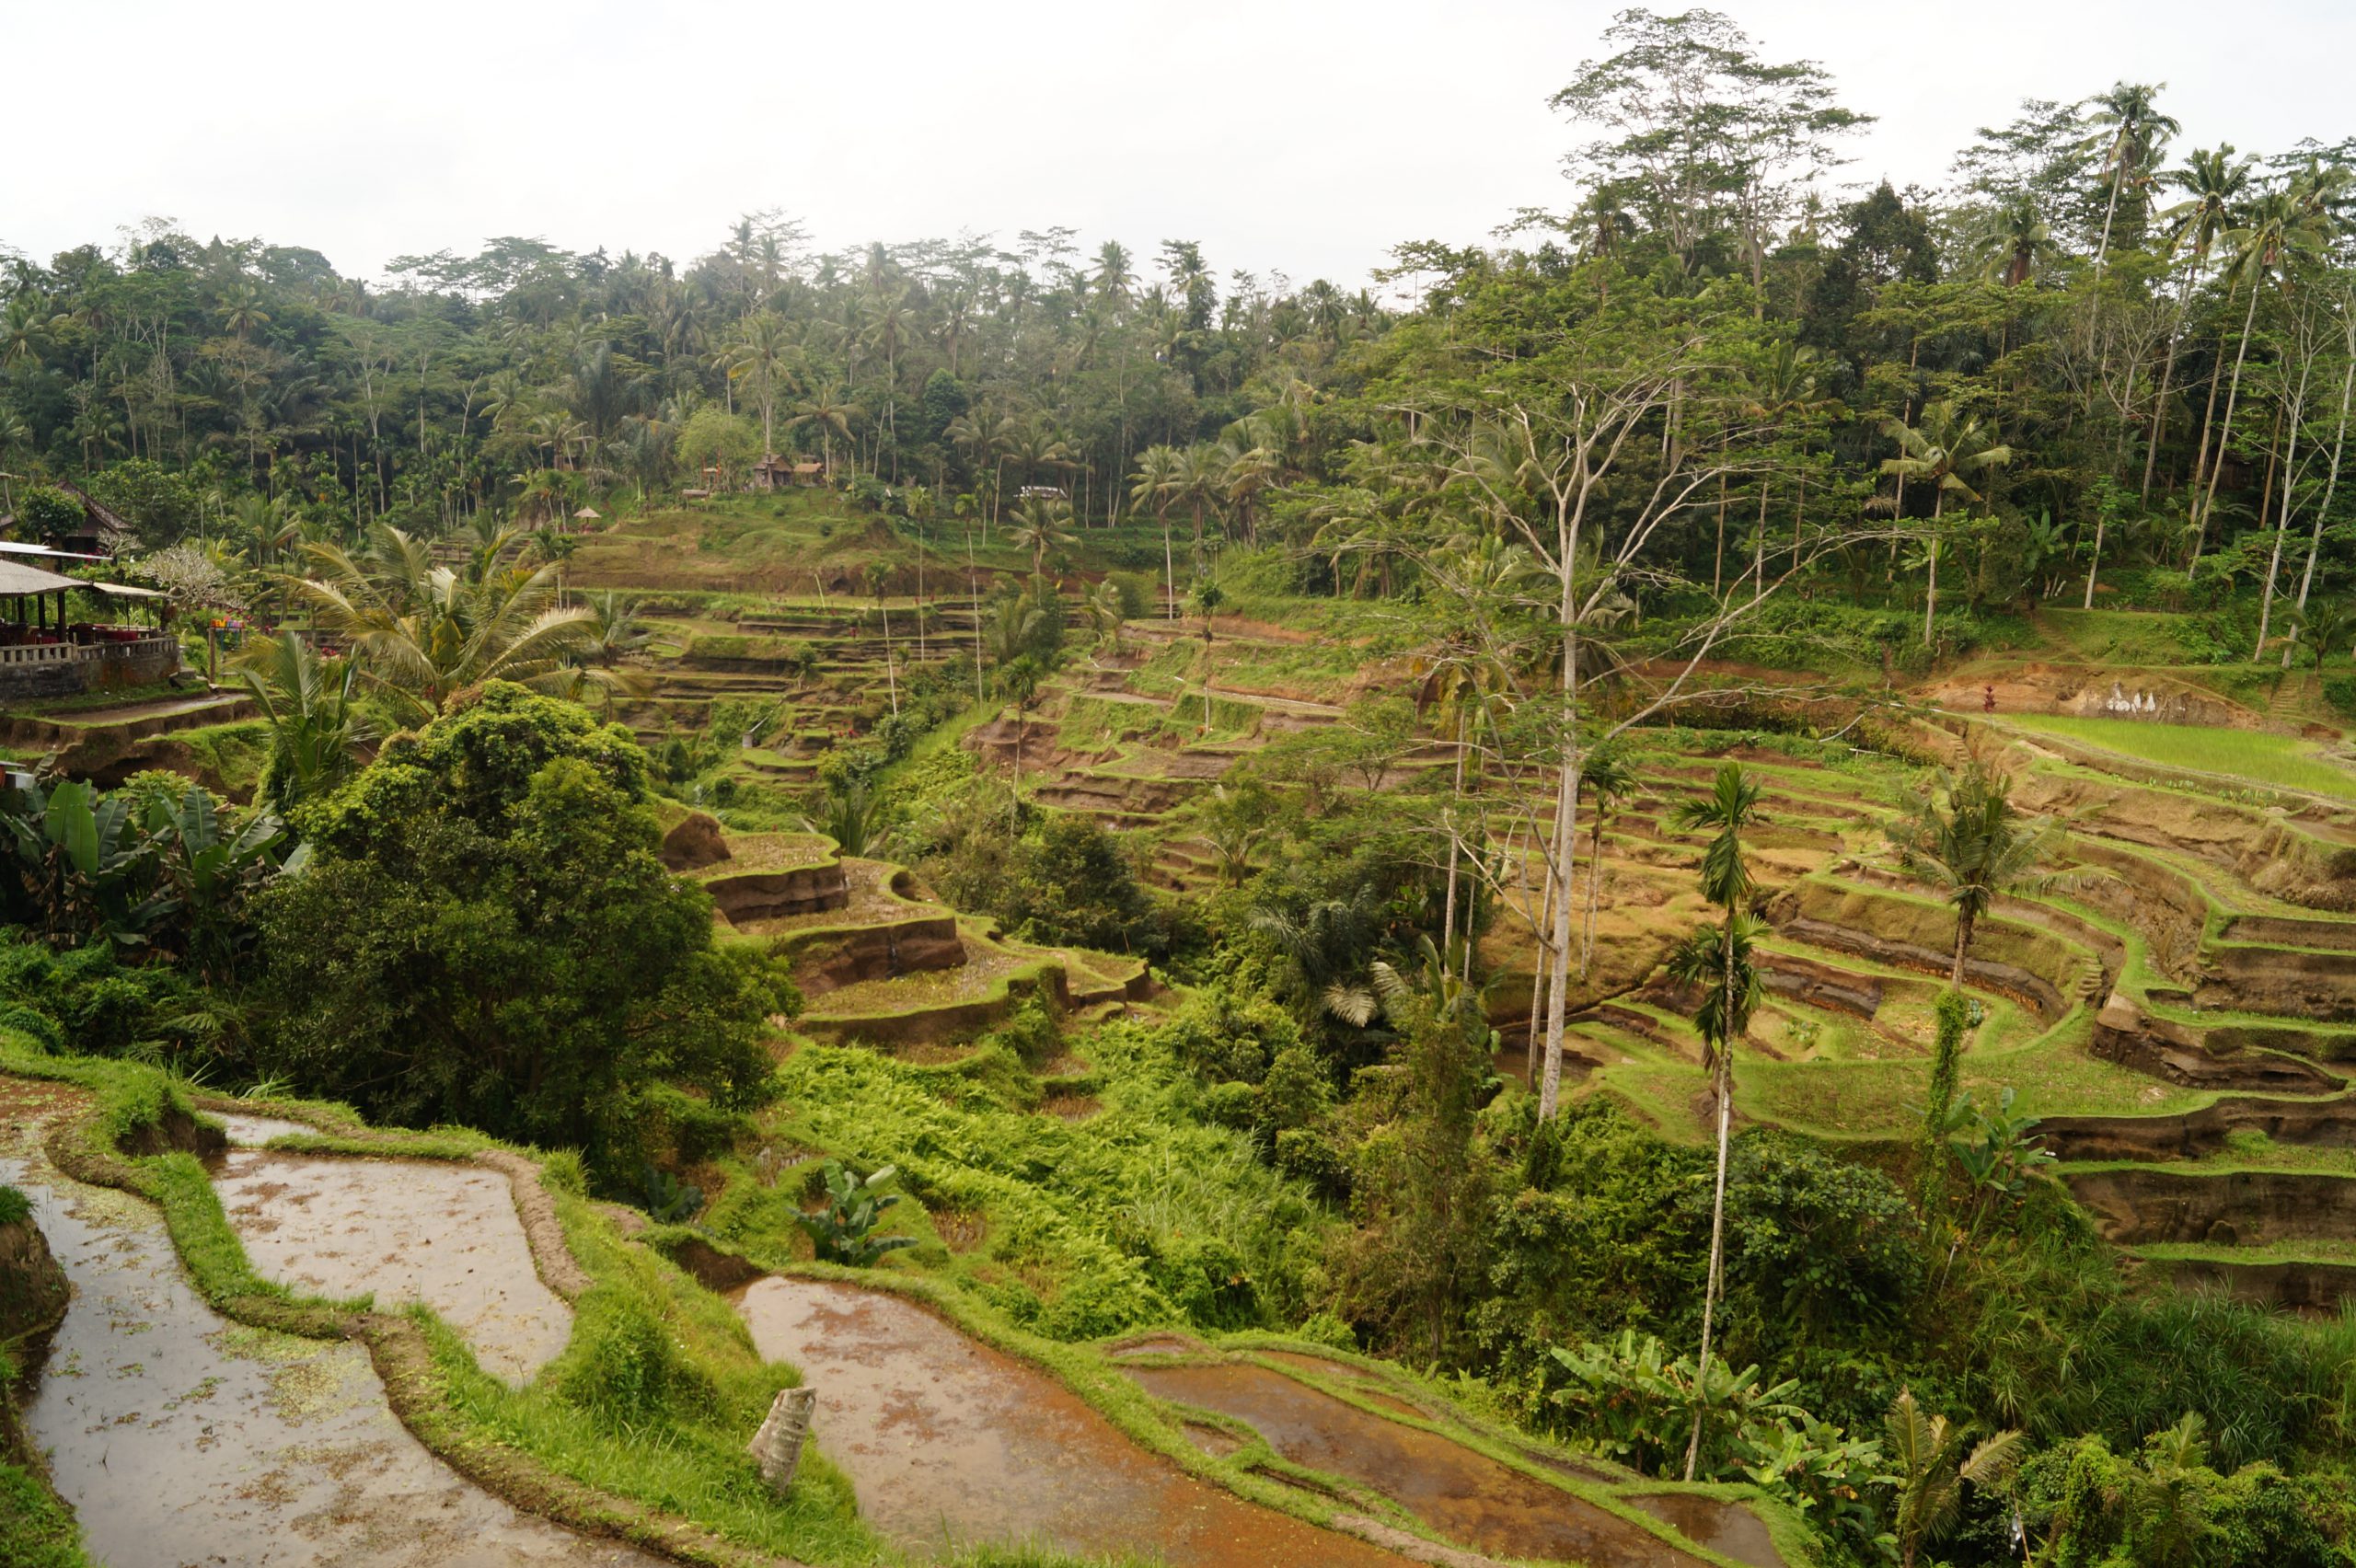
[2323, 508]
[2283, 526]
[2225, 437]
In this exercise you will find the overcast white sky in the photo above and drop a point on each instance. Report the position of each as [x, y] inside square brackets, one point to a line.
[1283, 134]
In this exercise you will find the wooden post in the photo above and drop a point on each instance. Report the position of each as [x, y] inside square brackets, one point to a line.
[777, 1446]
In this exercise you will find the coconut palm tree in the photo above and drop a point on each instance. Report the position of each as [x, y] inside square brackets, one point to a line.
[422, 631]
[316, 730]
[1104, 610]
[1041, 524]
[2214, 182]
[760, 355]
[1969, 841]
[1156, 484]
[1930, 1463]
[1720, 964]
[1608, 778]
[2011, 238]
[879, 581]
[826, 411]
[2134, 133]
[1943, 445]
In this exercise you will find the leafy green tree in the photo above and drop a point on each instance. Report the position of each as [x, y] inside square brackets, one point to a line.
[509, 950]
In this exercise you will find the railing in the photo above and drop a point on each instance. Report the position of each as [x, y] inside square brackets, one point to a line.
[137, 648]
[76, 652]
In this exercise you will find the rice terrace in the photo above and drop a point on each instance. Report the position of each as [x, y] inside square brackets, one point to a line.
[1671, 885]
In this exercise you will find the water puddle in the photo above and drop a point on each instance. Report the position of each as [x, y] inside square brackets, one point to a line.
[180, 1437]
[409, 1230]
[1465, 1495]
[1723, 1527]
[947, 1441]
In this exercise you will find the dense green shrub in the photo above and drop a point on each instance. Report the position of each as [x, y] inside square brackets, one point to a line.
[509, 950]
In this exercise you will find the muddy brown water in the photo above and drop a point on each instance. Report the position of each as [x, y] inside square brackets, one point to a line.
[442, 1233]
[182, 1438]
[1463, 1494]
[949, 1442]
[1724, 1528]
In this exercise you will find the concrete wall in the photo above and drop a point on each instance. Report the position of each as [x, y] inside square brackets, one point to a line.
[100, 667]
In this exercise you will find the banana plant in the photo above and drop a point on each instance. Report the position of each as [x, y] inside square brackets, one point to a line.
[843, 1232]
[210, 871]
[83, 868]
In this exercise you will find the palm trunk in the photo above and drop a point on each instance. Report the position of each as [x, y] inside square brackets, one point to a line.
[1169, 573]
[2232, 397]
[1931, 597]
[2338, 442]
[1447, 918]
[1724, 1085]
[2160, 407]
[1594, 891]
[2282, 523]
[1962, 944]
[1758, 548]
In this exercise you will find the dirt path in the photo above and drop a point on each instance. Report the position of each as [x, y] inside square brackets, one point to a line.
[181, 1438]
[409, 1230]
[949, 1442]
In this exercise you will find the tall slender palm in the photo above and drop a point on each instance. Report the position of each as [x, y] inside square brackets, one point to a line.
[2133, 133]
[829, 413]
[1199, 484]
[1041, 524]
[2214, 182]
[760, 355]
[1943, 445]
[879, 581]
[1731, 805]
[1608, 778]
[1156, 484]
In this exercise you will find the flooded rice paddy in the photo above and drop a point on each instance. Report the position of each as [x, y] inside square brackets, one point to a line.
[949, 1442]
[180, 1437]
[1462, 1493]
[409, 1230]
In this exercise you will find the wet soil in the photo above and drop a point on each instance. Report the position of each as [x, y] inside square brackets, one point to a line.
[1463, 1494]
[948, 1441]
[408, 1230]
[180, 1437]
[255, 1131]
